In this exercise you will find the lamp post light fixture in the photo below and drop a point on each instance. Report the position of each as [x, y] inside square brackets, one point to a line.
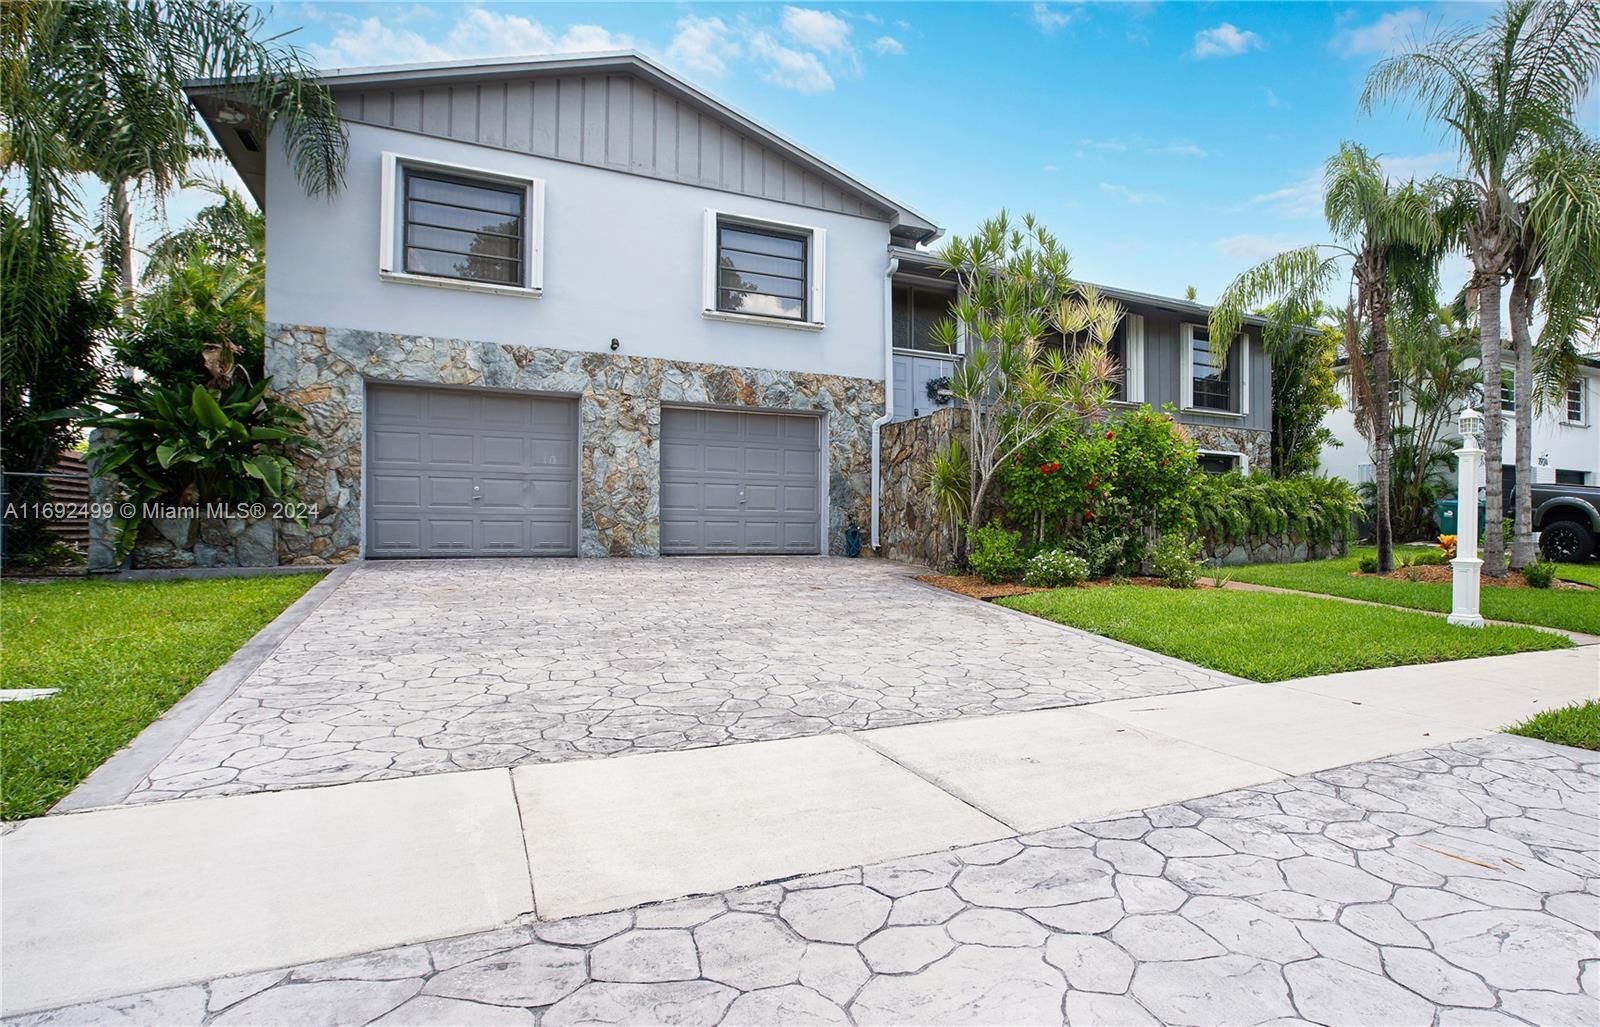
[1466, 567]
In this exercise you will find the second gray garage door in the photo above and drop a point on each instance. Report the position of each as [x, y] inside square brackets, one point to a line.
[740, 483]
[458, 472]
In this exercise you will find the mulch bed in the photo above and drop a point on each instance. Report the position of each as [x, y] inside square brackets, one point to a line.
[974, 587]
[1439, 574]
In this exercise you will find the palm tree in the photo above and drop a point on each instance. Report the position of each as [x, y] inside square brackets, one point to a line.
[96, 87]
[1392, 237]
[1500, 93]
[1556, 264]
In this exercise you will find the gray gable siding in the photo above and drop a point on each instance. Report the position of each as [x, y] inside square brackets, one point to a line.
[614, 121]
[1163, 370]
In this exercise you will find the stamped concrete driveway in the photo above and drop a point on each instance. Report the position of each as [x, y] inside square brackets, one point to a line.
[422, 667]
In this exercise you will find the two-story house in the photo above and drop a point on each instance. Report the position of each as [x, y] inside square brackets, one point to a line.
[573, 305]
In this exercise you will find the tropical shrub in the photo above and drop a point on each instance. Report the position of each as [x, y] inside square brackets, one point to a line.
[1367, 564]
[55, 317]
[1234, 508]
[1540, 573]
[197, 445]
[1424, 558]
[995, 553]
[1104, 490]
[1176, 561]
[1056, 568]
[1447, 546]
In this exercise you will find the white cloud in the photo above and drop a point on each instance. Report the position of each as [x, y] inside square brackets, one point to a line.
[888, 46]
[1422, 165]
[1252, 248]
[1051, 17]
[1272, 97]
[703, 44]
[1176, 148]
[1389, 34]
[823, 31]
[1225, 41]
[477, 33]
[1299, 199]
[1050, 168]
[789, 68]
[1127, 195]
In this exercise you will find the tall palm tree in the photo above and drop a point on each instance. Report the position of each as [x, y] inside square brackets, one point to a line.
[1556, 264]
[1392, 238]
[1500, 93]
[96, 87]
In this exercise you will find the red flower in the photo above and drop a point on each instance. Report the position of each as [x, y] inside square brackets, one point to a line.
[1111, 435]
[1088, 515]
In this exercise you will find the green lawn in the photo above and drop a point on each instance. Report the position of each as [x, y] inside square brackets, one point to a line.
[1267, 637]
[1578, 724]
[121, 653]
[1588, 572]
[1554, 608]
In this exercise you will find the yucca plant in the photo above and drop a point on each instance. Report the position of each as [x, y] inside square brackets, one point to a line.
[175, 445]
[947, 483]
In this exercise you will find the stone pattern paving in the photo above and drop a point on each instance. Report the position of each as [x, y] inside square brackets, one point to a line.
[425, 666]
[1457, 887]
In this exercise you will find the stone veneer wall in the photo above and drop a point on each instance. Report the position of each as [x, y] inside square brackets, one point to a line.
[320, 370]
[1252, 442]
[910, 524]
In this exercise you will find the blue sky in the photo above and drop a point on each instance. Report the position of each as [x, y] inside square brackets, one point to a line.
[1167, 144]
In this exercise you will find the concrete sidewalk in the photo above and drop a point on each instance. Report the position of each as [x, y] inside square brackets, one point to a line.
[109, 902]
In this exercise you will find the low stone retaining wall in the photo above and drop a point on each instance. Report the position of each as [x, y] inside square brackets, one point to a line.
[911, 527]
[1283, 549]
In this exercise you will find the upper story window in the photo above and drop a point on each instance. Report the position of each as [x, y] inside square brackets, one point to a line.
[1116, 348]
[765, 271]
[456, 228]
[1210, 385]
[460, 228]
[1573, 407]
[1508, 391]
[1213, 384]
[761, 272]
[916, 311]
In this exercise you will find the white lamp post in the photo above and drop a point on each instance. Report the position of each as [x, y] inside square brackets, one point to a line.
[1466, 566]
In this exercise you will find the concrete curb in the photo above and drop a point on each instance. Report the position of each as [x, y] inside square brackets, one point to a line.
[116, 778]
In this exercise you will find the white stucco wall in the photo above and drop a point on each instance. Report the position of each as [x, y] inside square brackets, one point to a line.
[1557, 445]
[623, 258]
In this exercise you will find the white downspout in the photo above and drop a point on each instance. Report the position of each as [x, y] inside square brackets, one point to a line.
[888, 387]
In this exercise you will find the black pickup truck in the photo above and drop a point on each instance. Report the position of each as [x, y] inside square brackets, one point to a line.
[1568, 520]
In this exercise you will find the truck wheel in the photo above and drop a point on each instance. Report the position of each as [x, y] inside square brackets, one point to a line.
[1566, 541]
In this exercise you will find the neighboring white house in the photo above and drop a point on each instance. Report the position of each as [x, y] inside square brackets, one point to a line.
[1566, 442]
[573, 305]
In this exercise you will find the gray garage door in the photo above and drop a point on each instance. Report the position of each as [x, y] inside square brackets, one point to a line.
[740, 483]
[455, 472]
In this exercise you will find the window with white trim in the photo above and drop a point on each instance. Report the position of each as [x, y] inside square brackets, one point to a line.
[1573, 406]
[916, 311]
[1210, 385]
[1219, 463]
[1508, 391]
[460, 227]
[765, 271]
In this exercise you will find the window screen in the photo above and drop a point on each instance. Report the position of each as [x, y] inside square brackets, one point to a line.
[457, 228]
[760, 271]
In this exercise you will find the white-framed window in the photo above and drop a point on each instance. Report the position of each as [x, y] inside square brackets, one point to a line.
[1508, 391]
[1126, 349]
[1572, 405]
[458, 227]
[1207, 387]
[763, 272]
[1221, 461]
[915, 310]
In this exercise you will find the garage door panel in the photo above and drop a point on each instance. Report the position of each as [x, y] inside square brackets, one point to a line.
[736, 482]
[462, 472]
[448, 449]
[800, 463]
[395, 445]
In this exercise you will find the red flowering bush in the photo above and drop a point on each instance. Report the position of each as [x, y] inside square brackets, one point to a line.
[1106, 490]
